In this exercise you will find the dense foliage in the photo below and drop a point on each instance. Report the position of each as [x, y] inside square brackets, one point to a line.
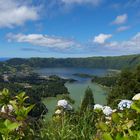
[121, 125]
[128, 84]
[18, 111]
[108, 81]
[91, 123]
[14, 120]
[95, 124]
[15, 69]
[88, 100]
[34, 85]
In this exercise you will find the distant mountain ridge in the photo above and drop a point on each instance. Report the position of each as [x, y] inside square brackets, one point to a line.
[114, 62]
[3, 59]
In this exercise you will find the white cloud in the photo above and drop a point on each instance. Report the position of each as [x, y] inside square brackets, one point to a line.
[125, 47]
[97, 47]
[121, 19]
[123, 28]
[42, 40]
[93, 2]
[13, 13]
[133, 43]
[101, 38]
[129, 46]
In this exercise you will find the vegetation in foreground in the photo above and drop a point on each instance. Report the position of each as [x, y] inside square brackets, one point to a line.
[127, 85]
[102, 123]
[90, 123]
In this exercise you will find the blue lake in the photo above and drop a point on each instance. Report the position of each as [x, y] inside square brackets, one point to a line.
[68, 72]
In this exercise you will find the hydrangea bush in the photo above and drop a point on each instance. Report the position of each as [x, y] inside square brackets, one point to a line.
[14, 124]
[98, 123]
[124, 124]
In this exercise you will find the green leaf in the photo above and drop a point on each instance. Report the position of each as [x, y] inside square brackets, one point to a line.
[120, 115]
[11, 126]
[130, 124]
[5, 92]
[119, 137]
[22, 113]
[21, 97]
[115, 117]
[28, 109]
[135, 107]
[107, 136]
[103, 126]
[2, 126]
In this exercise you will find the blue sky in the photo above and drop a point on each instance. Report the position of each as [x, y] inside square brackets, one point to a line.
[69, 28]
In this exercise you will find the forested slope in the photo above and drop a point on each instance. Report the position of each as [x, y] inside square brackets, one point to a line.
[115, 62]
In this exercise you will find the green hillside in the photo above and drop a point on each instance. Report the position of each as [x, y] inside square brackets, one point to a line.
[115, 62]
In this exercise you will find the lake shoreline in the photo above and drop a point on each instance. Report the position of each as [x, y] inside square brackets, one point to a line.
[76, 88]
[99, 93]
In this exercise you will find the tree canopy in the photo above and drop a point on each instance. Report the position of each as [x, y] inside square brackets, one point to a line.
[88, 100]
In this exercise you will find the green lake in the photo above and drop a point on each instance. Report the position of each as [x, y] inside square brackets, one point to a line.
[77, 92]
[76, 89]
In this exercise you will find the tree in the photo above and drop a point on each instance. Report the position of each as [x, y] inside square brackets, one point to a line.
[88, 99]
[126, 87]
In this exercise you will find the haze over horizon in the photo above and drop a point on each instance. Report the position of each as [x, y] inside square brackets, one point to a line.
[69, 28]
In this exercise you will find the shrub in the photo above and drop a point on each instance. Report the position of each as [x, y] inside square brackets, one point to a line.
[14, 123]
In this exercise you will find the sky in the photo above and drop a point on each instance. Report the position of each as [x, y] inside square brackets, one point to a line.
[69, 28]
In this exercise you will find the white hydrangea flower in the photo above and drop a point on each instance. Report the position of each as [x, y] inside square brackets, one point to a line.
[58, 112]
[62, 103]
[8, 108]
[124, 104]
[107, 110]
[136, 97]
[98, 106]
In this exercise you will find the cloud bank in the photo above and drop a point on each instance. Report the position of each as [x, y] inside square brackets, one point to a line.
[43, 40]
[130, 46]
[14, 13]
[100, 45]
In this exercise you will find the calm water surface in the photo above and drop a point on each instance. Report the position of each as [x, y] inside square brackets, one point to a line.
[76, 89]
[68, 72]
